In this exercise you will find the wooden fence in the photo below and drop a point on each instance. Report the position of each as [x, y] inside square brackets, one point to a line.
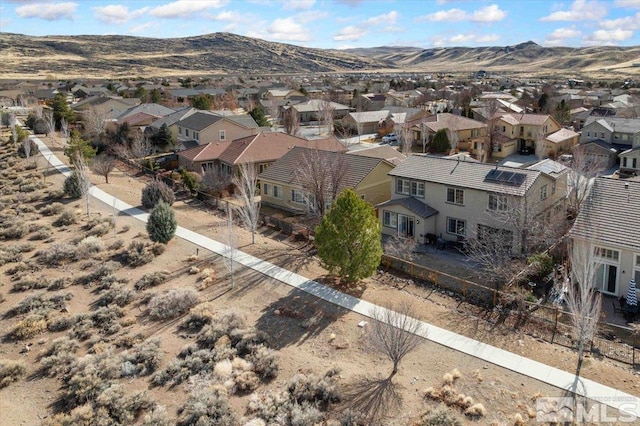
[549, 323]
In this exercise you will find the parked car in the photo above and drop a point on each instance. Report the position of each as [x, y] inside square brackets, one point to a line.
[390, 138]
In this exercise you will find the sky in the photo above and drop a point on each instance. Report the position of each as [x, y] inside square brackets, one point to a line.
[340, 24]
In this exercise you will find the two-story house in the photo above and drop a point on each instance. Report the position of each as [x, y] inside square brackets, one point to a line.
[457, 200]
[202, 128]
[462, 132]
[609, 221]
[613, 139]
[291, 183]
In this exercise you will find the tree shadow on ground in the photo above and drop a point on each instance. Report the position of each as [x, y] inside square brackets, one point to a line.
[297, 317]
[376, 399]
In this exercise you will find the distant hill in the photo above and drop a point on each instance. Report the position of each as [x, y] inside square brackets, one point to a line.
[126, 56]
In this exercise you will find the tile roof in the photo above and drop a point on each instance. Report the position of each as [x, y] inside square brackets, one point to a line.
[199, 121]
[416, 206]
[171, 119]
[453, 122]
[210, 151]
[155, 110]
[369, 116]
[384, 152]
[245, 120]
[464, 174]
[317, 105]
[285, 169]
[561, 135]
[610, 214]
[527, 119]
[268, 147]
[549, 167]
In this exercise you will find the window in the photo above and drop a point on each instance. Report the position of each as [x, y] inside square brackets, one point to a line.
[601, 135]
[390, 219]
[266, 188]
[455, 196]
[636, 269]
[624, 162]
[402, 186]
[588, 133]
[298, 197]
[634, 163]
[277, 191]
[179, 130]
[498, 239]
[638, 260]
[263, 166]
[615, 136]
[543, 192]
[498, 202]
[186, 132]
[196, 135]
[417, 189]
[553, 187]
[222, 135]
[608, 254]
[456, 226]
[226, 169]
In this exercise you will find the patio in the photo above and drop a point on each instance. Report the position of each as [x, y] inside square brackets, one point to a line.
[614, 313]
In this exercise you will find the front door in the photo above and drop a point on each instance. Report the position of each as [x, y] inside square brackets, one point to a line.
[607, 278]
[405, 225]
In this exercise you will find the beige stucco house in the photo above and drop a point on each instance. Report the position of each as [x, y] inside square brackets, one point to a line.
[458, 200]
[283, 184]
[205, 127]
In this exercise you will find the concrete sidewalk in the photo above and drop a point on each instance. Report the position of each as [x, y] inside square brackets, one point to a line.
[516, 363]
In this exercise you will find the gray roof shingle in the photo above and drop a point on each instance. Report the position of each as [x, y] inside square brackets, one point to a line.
[464, 174]
[412, 204]
[610, 214]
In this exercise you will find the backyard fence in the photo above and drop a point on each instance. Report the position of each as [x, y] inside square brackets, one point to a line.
[549, 323]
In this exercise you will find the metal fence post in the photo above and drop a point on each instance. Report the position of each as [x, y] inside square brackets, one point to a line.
[555, 325]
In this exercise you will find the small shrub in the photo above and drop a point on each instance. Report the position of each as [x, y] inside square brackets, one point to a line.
[116, 245]
[207, 405]
[55, 194]
[476, 410]
[66, 218]
[142, 359]
[60, 323]
[157, 191]
[219, 326]
[99, 230]
[157, 417]
[57, 360]
[11, 371]
[100, 275]
[137, 254]
[89, 246]
[41, 234]
[173, 303]
[52, 209]
[124, 229]
[151, 279]
[304, 414]
[314, 389]
[57, 254]
[30, 283]
[439, 416]
[162, 223]
[29, 327]
[59, 283]
[14, 232]
[119, 294]
[265, 362]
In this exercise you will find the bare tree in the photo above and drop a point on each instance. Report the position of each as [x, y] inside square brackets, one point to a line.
[50, 123]
[229, 255]
[583, 300]
[405, 138]
[492, 108]
[214, 180]
[82, 173]
[395, 332]
[93, 120]
[64, 129]
[291, 122]
[584, 169]
[248, 205]
[26, 146]
[322, 175]
[137, 151]
[274, 111]
[327, 111]
[37, 110]
[102, 165]
[453, 135]
[538, 141]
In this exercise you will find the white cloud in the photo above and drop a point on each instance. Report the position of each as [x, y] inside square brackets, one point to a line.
[185, 8]
[628, 22]
[47, 11]
[468, 38]
[488, 38]
[451, 15]
[609, 36]
[136, 29]
[631, 4]
[286, 29]
[461, 38]
[564, 33]
[491, 13]
[350, 33]
[580, 10]
[117, 13]
[310, 16]
[386, 18]
[298, 4]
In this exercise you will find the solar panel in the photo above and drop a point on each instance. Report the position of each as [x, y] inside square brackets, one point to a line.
[504, 177]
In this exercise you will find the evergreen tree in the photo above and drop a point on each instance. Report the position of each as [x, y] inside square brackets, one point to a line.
[162, 223]
[61, 109]
[348, 238]
[258, 116]
[163, 138]
[202, 101]
[440, 142]
[79, 147]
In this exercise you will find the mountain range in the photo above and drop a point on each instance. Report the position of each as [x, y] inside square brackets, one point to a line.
[116, 56]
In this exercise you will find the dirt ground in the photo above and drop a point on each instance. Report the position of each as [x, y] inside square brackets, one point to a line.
[316, 337]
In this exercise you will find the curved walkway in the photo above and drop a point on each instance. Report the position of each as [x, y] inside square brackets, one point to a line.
[628, 404]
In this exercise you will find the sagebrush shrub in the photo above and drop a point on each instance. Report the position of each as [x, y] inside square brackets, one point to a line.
[66, 218]
[52, 209]
[29, 327]
[72, 185]
[142, 359]
[118, 294]
[57, 360]
[11, 371]
[207, 405]
[162, 223]
[151, 279]
[89, 246]
[137, 253]
[30, 283]
[173, 303]
[157, 191]
[14, 231]
[439, 416]
[57, 254]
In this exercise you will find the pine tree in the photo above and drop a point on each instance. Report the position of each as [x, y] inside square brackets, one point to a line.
[162, 223]
[440, 142]
[348, 238]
